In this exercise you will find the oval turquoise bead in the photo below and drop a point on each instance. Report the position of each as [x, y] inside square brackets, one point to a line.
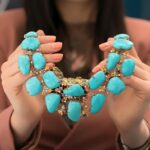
[51, 80]
[116, 86]
[31, 34]
[24, 64]
[74, 111]
[113, 59]
[128, 67]
[122, 44]
[97, 102]
[122, 36]
[38, 60]
[52, 102]
[33, 86]
[30, 44]
[97, 80]
[74, 90]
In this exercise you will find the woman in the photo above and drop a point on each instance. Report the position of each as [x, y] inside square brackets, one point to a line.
[81, 26]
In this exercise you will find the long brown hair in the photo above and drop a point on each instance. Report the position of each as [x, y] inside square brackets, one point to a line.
[43, 14]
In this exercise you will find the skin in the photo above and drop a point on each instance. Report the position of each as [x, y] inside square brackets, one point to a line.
[27, 109]
[82, 11]
[128, 110]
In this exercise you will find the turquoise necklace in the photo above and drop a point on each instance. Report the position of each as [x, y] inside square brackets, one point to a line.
[68, 96]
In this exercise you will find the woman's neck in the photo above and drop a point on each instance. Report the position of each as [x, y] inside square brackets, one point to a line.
[77, 11]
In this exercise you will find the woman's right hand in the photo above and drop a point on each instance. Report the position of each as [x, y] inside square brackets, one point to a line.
[27, 110]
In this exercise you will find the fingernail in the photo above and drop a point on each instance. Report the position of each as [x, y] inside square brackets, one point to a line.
[60, 56]
[95, 69]
[54, 37]
[38, 50]
[126, 78]
[57, 45]
[103, 46]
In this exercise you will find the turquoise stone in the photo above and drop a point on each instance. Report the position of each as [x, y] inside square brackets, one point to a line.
[97, 103]
[121, 36]
[74, 111]
[128, 67]
[113, 59]
[97, 80]
[30, 44]
[122, 44]
[52, 102]
[74, 90]
[24, 64]
[51, 80]
[34, 86]
[39, 61]
[31, 34]
[115, 86]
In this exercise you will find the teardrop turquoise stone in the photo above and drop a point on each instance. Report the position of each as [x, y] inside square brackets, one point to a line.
[39, 61]
[30, 44]
[97, 103]
[97, 80]
[33, 86]
[122, 36]
[128, 67]
[51, 80]
[52, 102]
[24, 64]
[31, 34]
[115, 86]
[74, 111]
[74, 90]
[122, 44]
[113, 59]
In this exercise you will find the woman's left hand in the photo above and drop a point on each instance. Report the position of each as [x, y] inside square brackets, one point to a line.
[129, 108]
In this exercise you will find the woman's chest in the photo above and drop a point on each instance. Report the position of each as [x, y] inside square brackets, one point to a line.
[93, 132]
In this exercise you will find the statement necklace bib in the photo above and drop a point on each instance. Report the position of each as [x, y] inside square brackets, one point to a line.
[68, 96]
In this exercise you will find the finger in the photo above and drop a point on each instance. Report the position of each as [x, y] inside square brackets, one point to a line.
[107, 52]
[54, 47]
[10, 71]
[18, 79]
[107, 46]
[142, 74]
[133, 53]
[50, 47]
[100, 66]
[140, 63]
[42, 39]
[13, 59]
[53, 58]
[137, 83]
[14, 52]
[40, 32]
[50, 65]
[47, 39]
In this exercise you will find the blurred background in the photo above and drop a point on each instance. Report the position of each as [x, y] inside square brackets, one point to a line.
[137, 8]
[133, 8]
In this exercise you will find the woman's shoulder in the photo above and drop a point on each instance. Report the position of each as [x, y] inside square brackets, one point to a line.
[138, 28]
[13, 18]
[12, 27]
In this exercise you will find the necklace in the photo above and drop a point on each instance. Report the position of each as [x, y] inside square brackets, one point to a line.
[68, 96]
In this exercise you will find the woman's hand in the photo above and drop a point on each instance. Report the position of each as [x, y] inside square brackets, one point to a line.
[129, 108]
[27, 110]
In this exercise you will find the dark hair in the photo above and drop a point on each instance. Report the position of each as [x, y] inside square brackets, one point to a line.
[43, 14]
